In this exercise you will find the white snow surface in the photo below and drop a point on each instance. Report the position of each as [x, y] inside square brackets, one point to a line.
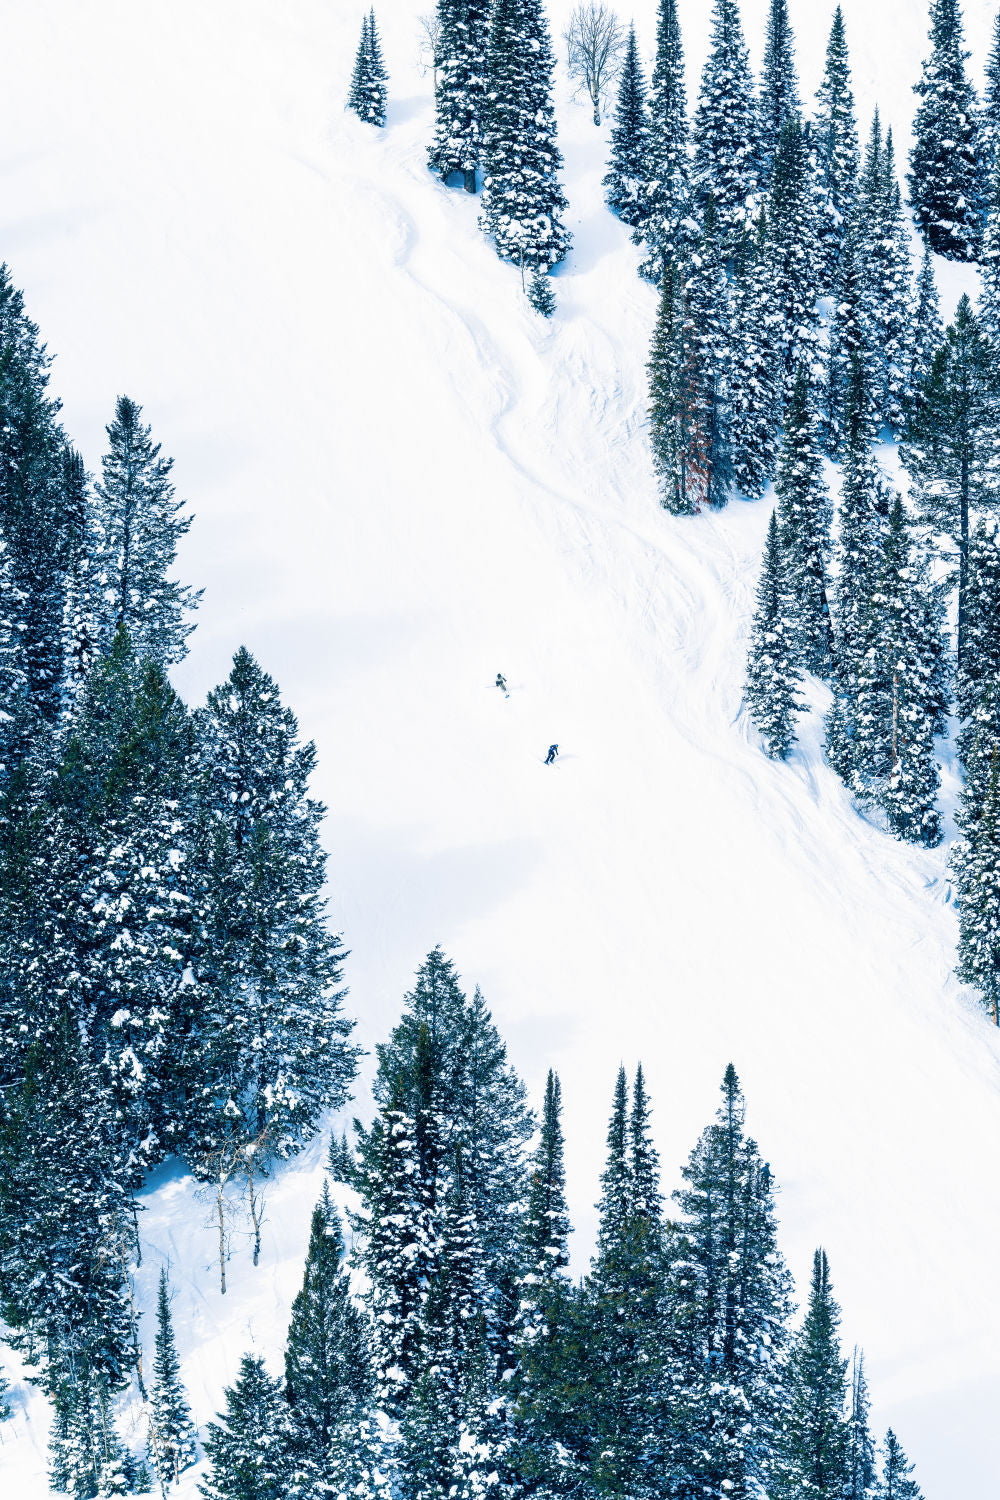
[405, 482]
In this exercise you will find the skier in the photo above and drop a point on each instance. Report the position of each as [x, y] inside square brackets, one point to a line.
[553, 752]
[765, 1177]
[502, 684]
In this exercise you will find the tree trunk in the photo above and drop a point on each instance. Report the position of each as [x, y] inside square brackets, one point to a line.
[221, 1210]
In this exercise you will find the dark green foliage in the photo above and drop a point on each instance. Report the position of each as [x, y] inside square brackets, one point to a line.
[792, 256]
[328, 1381]
[625, 183]
[139, 525]
[171, 1430]
[817, 1434]
[460, 100]
[756, 377]
[952, 447]
[804, 516]
[944, 177]
[861, 1447]
[779, 92]
[989, 120]
[247, 1447]
[975, 863]
[926, 337]
[884, 237]
[369, 92]
[668, 172]
[773, 674]
[852, 352]
[725, 128]
[836, 143]
[978, 676]
[540, 293]
[522, 198]
[896, 1483]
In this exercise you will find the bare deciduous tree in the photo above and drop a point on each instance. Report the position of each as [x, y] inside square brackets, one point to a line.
[595, 43]
[429, 44]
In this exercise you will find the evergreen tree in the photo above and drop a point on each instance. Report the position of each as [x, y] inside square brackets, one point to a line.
[369, 92]
[977, 681]
[247, 1447]
[988, 306]
[852, 352]
[675, 465]
[269, 1050]
[952, 451]
[522, 197]
[328, 1382]
[989, 118]
[817, 1436]
[357, 97]
[139, 525]
[755, 386]
[944, 176]
[927, 333]
[861, 1448]
[729, 1294]
[889, 273]
[772, 668]
[779, 90]
[171, 1430]
[835, 134]
[804, 516]
[792, 257]
[975, 864]
[896, 1482]
[668, 168]
[540, 293]
[725, 128]
[899, 700]
[460, 97]
[628, 166]
[5, 1407]
[81, 606]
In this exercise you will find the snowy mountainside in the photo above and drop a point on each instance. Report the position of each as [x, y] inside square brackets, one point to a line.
[404, 482]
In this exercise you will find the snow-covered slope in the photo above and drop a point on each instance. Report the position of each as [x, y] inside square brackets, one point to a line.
[405, 482]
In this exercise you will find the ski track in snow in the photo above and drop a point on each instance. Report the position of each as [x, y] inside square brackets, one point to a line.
[404, 481]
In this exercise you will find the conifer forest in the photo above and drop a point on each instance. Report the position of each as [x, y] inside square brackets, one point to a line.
[500, 750]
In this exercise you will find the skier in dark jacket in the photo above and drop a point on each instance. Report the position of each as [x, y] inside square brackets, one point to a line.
[553, 752]
[502, 684]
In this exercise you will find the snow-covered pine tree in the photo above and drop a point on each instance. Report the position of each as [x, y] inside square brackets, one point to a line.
[835, 136]
[852, 351]
[988, 306]
[952, 447]
[975, 865]
[15, 714]
[816, 1447]
[773, 674]
[988, 140]
[927, 333]
[540, 293]
[625, 190]
[944, 178]
[900, 700]
[725, 129]
[896, 1482]
[328, 1379]
[890, 273]
[545, 1447]
[779, 90]
[271, 1052]
[792, 257]
[5, 1406]
[171, 1431]
[730, 1304]
[460, 98]
[247, 1446]
[369, 92]
[669, 419]
[804, 517]
[139, 524]
[755, 384]
[861, 1447]
[624, 1308]
[81, 611]
[668, 167]
[522, 197]
[357, 95]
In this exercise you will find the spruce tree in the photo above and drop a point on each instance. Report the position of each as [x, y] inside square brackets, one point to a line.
[835, 134]
[755, 385]
[977, 681]
[328, 1383]
[522, 198]
[989, 119]
[357, 97]
[270, 1052]
[792, 257]
[725, 128]
[896, 1483]
[975, 864]
[668, 167]
[861, 1448]
[988, 306]
[779, 90]
[628, 166]
[247, 1446]
[460, 97]
[817, 1435]
[669, 401]
[81, 606]
[369, 92]
[171, 1430]
[952, 449]
[926, 335]
[140, 523]
[804, 517]
[852, 352]
[889, 272]
[773, 674]
[729, 1299]
[5, 1406]
[540, 293]
[944, 177]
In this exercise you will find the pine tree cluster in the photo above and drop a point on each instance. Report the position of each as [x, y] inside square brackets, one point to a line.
[475, 1366]
[168, 984]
